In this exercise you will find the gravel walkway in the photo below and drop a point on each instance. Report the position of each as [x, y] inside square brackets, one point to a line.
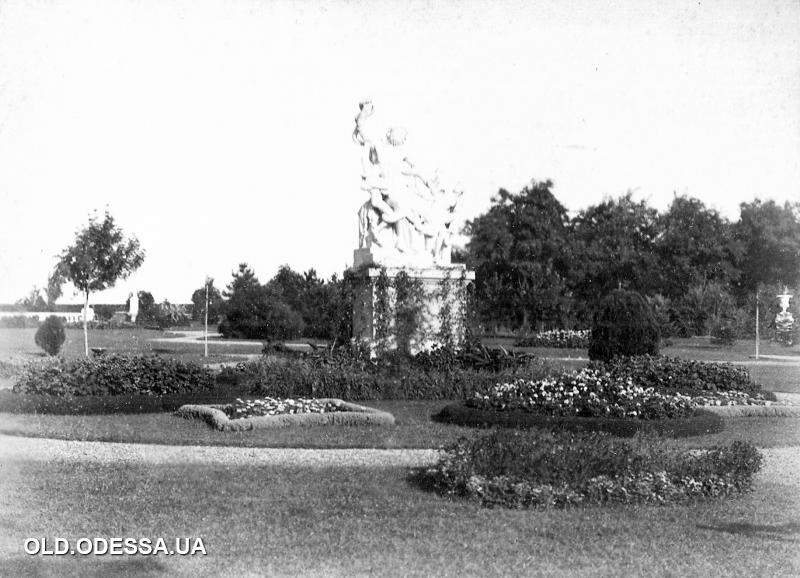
[20, 448]
[780, 464]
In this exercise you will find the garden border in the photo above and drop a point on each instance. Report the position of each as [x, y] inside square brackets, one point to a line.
[701, 423]
[354, 414]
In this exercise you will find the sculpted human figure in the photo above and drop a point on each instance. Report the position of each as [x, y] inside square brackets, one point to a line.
[406, 213]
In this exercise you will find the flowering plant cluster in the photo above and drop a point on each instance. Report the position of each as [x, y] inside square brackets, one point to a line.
[558, 338]
[586, 393]
[244, 408]
[685, 375]
[543, 470]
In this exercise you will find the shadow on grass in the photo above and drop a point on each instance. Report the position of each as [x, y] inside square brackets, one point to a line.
[700, 423]
[85, 566]
[787, 532]
[421, 479]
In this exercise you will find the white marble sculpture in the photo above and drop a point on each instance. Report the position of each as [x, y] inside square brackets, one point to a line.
[406, 221]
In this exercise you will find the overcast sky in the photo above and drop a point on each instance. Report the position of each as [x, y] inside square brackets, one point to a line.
[220, 131]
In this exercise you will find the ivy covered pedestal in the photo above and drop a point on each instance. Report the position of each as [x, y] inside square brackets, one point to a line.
[411, 309]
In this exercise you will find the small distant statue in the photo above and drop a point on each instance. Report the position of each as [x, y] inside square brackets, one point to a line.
[408, 215]
[784, 321]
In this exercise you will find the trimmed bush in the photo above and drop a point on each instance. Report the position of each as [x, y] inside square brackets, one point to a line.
[51, 335]
[624, 324]
[700, 422]
[540, 469]
[131, 403]
[112, 375]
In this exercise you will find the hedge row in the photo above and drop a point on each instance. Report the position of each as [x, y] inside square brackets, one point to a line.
[112, 375]
[540, 469]
[298, 378]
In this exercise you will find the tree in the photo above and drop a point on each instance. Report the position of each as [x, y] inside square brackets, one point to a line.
[215, 303]
[148, 310]
[521, 251]
[696, 246]
[33, 301]
[615, 248]
[770, 236]
[99, 257]
[255, 311]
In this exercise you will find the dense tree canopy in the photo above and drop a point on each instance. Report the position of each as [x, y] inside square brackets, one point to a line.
[521, 251]
[695, 246]
[770, 237]
[534, 264]
[614, 248]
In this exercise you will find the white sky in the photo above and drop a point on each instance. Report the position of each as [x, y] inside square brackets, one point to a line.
[219, 131]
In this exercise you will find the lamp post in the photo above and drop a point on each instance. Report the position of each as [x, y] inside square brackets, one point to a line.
[756, 322]
[208, 282]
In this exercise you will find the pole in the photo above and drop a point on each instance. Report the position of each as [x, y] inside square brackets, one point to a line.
[206, 332]
[756, 323]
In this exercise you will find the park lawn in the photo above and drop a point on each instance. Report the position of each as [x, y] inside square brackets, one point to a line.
[414, 429]
[19, 343]
[356, 521]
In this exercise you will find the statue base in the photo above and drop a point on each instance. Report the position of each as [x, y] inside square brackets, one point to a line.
[411, 308]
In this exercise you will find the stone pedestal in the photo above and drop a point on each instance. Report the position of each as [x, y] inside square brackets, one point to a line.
[431, 309]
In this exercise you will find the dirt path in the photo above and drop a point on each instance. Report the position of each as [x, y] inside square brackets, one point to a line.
[40, 449]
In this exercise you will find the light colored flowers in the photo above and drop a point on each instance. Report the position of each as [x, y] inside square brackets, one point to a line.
[244, 408]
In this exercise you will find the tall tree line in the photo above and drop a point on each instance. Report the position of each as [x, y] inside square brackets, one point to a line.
[538, 267]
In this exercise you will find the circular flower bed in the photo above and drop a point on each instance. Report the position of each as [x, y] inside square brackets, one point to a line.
[244, 408]
[584, 393]
[542, 469]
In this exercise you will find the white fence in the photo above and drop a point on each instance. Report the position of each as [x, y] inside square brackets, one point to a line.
[67, 316]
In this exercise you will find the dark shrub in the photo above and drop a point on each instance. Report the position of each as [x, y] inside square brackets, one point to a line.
[271, 319]
[624, 324]
[51, 335]
[129, 403]
[543, 469]
[112, 375]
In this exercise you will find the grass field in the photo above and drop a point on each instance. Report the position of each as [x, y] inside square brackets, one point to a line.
[357, 521]
[342, 521]
[19, 343]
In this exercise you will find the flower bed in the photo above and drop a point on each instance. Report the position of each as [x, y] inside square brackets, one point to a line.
[683, 375]
[338, 412]
[585, 393]
[558, 338]
[272, 406]
[541, 470]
